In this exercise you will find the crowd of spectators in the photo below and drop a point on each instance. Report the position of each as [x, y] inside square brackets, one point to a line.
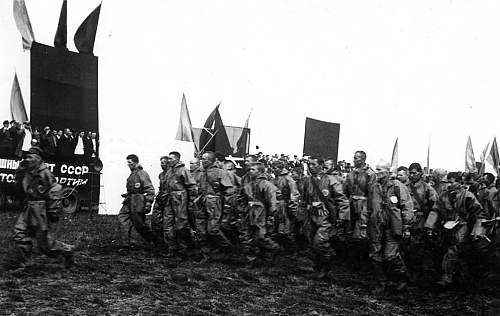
[58, 145]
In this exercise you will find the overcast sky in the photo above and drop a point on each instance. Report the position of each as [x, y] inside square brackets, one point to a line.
[423, 71]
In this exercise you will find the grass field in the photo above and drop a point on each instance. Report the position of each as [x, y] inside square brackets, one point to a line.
[107, 281]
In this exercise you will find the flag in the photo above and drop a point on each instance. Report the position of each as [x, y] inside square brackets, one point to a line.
[85, 34]
[185, 129]
[17, 109]
[483, 158]
[394, 159]
[243, 141]
[23, 23]
[493, 157]
[470, 162]
[61, 37]
[213, 136]
[428, 155]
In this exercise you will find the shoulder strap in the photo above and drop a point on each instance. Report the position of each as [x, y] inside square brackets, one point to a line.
[318, 191]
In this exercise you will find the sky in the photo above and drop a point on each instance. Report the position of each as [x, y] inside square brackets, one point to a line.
[426, 72]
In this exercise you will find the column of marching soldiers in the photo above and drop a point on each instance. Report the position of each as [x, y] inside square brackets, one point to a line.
[409, 230]
[444, 227]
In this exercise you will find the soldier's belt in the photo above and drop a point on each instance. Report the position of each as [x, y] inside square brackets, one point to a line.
[253, 203]
[211, 195]
[358, 197]
[36, 202]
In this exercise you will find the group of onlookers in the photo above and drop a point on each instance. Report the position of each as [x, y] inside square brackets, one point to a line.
[60, 145]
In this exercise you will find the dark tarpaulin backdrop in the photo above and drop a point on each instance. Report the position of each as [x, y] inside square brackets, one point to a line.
[321, 138]
[63, 89]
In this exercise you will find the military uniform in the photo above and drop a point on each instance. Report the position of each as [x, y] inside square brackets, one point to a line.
[421, 249]
[158, 215]
[356, 187]
[214, 184]
[38, 218]
[391, 213]
[260, 194]
[484, 194]
[138, 200]
[459, 209]
[231, 219]
[180, 189]
[285, 223]
[493, 231]
[328, 212]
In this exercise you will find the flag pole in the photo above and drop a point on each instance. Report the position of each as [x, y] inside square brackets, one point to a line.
[211, 137]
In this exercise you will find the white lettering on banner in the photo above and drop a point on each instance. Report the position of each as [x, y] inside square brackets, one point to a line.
[74, 170]
[51, 166]
[71, 181]
[9, 164]
[6, 177]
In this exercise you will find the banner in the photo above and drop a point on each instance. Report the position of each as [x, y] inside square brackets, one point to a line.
[63, 89]
[321, 138]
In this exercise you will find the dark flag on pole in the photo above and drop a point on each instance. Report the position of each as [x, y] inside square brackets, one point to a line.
[61, 37]
[242, 144]
[213, 136]
[85, 35]
[321, 138]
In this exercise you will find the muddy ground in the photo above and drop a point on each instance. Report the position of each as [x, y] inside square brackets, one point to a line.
[107, 280]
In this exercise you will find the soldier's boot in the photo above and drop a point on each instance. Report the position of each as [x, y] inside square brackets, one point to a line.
[16, 258]
[324, 264]
[380, 288]
[68, 259]
[445, 281]
[378, 270]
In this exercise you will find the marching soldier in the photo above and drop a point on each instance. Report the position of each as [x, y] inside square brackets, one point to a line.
[195, 169]
[260, 194]
[288, 198]
[181, 191]
[422, 247]
[40, 215]
[214, 185]
[137, 203]
[328, 214]
[158, 215]
[487, 190]
[231, 219]
[356, 188]
[391, 213]
[459, 210]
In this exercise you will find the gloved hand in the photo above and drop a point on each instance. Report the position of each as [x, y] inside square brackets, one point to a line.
[147, 208]
[406, 234]
[322, 211]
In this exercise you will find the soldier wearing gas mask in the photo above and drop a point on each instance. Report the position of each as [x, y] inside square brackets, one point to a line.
[40, 215]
